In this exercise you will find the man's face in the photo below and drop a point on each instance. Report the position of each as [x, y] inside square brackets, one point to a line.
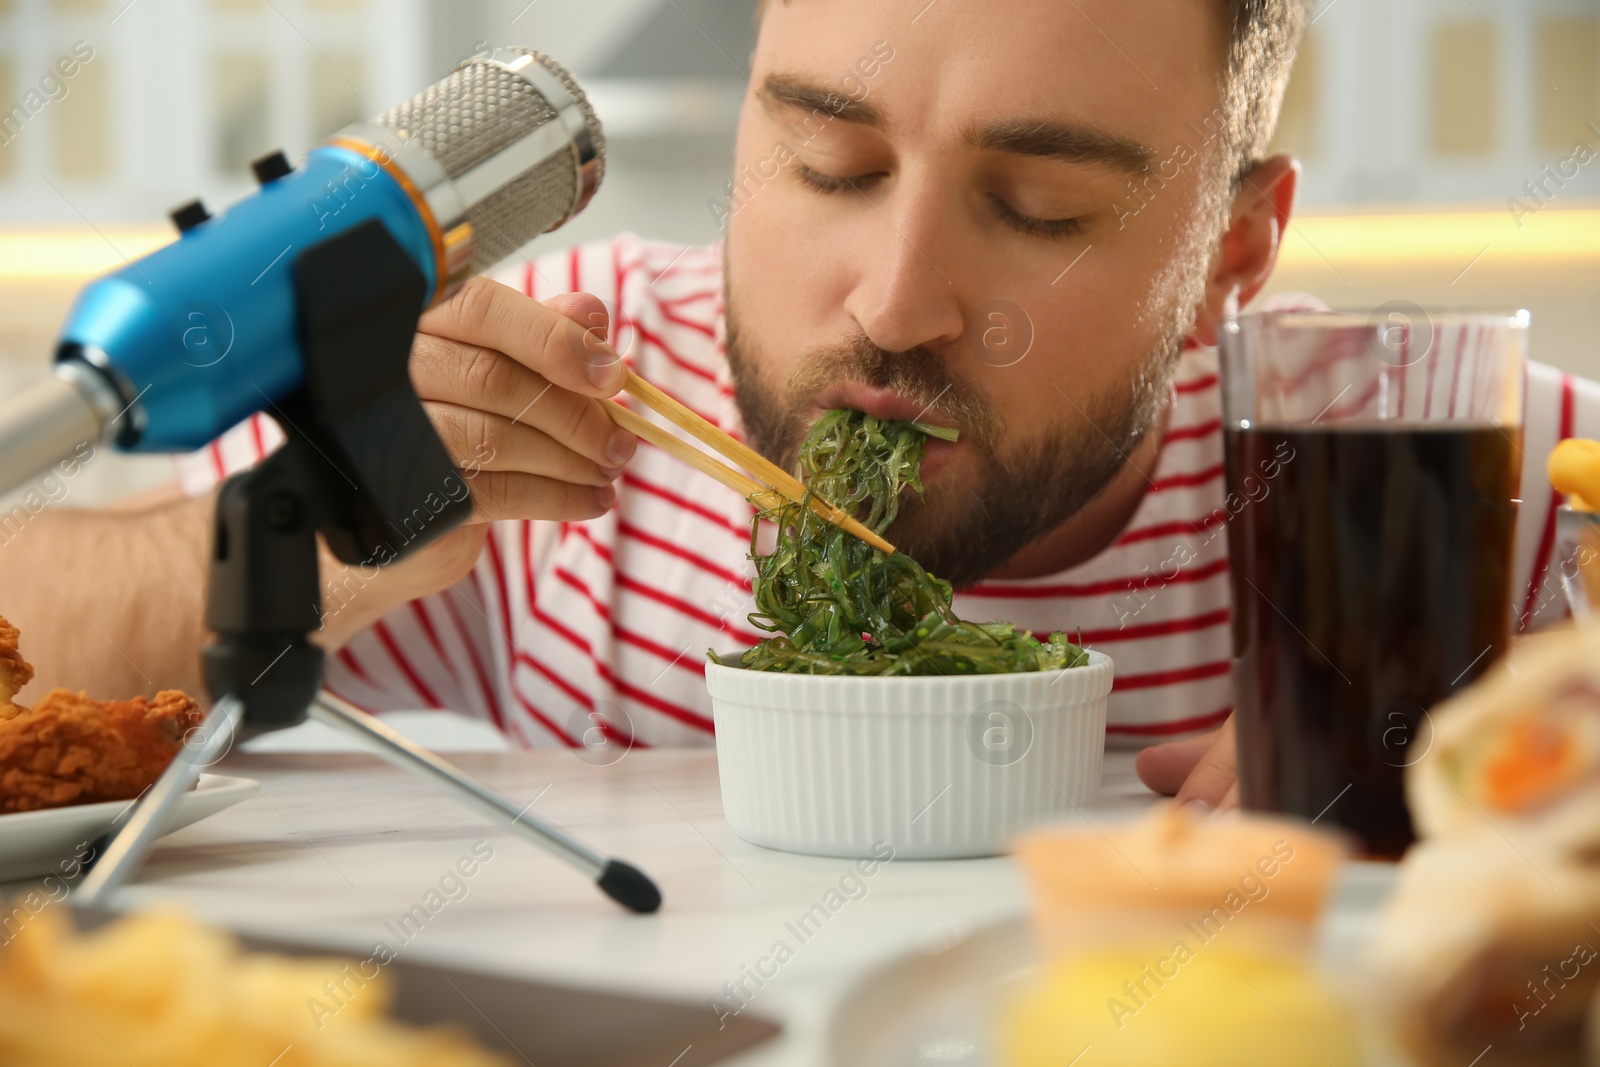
[959, 241]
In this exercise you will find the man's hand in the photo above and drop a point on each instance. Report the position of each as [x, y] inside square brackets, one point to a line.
[1202, 771]
[514, 389]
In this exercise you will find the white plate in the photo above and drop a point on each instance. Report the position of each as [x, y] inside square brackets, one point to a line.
[36, 843]
[943, 1002]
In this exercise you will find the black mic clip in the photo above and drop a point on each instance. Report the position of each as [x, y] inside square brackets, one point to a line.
[362, 465]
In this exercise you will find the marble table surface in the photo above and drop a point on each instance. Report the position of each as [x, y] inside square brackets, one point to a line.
[336, 845]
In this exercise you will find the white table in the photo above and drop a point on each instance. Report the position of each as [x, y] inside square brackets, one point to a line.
[338, 845]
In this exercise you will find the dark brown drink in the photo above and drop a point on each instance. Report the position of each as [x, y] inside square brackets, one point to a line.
[1371, 578]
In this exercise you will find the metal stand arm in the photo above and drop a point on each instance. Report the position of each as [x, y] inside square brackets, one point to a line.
[620, 881]
[149, 819]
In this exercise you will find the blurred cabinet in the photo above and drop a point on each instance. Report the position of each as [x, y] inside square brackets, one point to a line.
[1446, 101]
[167, 99]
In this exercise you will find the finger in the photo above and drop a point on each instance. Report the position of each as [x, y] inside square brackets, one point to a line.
[1214, 775]
[481, 441]
[585, 309]
[501, 495]
[1164, 767]
[475, 377]
[490, 315]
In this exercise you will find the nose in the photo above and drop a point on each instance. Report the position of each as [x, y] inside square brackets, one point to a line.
[903, 295]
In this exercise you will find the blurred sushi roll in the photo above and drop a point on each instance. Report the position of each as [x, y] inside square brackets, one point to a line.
[1518, 755]
[1489, 950]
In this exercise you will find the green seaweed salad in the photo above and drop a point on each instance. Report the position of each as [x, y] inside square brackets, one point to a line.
[836, 605]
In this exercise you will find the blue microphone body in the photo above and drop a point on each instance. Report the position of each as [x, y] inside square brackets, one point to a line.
[172, 350]
[203, 331]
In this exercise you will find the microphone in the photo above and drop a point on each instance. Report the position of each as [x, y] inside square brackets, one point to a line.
[177, 347]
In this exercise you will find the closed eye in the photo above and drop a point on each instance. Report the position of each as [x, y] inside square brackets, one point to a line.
[829, 183]
[1049, 229]
[1035, 227]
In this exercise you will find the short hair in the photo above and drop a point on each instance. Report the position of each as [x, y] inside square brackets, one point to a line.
[1262, 38]
[1261, 41]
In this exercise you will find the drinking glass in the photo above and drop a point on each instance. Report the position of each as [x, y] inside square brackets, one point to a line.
[1373, 466]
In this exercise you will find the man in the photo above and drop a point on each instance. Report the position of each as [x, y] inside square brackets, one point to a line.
[1027, 222]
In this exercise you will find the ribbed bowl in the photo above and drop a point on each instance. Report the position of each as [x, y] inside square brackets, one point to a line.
[933, 768]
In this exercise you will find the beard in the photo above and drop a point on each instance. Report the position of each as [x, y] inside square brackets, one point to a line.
[1017, 490]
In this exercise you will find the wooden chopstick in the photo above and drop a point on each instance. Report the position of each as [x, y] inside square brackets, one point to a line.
[748, 458]
[776, 479]
[715, 439]
[640, 426]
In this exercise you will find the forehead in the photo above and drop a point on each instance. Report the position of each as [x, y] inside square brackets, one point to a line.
[1142, 68]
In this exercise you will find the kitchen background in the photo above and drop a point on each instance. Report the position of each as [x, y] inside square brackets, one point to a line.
[1440, 139]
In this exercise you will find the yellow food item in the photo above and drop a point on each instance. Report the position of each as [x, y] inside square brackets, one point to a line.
[1574, 467]
[1186, 1004]
[162, 989]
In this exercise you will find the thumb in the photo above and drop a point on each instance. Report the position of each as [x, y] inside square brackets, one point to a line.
[1213, 784]
[585, 309]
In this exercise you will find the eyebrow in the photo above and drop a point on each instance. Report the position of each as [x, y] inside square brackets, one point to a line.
[1049, 139]
[1043, 138]
[794, 91]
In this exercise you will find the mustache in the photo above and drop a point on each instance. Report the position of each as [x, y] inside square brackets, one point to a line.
[919, 374]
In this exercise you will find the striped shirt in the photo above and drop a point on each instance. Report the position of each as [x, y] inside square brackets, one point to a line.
[563, 628]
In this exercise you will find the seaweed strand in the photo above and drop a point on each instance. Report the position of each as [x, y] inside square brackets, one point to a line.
[836, 605]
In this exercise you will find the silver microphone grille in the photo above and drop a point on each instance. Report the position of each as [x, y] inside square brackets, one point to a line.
[516, 139]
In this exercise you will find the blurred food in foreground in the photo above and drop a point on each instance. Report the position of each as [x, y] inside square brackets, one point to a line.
[162, 989]
[1183, 940]
[1518, 755]
[68, 749]
[1173, 866]
[1488, 947]
[1478, 949]
[1574, 468]
[1215, 1007]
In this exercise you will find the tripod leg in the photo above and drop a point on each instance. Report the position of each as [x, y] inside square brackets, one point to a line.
[623, 883]
[150, 818]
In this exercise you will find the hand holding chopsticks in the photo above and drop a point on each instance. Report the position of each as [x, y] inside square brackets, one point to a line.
[771, 486]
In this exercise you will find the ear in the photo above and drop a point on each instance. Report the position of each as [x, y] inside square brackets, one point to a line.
[1249, 247]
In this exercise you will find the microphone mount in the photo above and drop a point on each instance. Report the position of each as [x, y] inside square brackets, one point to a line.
[363, 466]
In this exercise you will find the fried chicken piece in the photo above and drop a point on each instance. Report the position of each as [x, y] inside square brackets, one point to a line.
[15, 672]
[68, 749]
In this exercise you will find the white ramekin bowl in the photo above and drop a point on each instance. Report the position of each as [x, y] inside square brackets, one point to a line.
[931, 767]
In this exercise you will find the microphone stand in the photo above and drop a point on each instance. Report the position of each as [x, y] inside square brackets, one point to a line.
[363, 466]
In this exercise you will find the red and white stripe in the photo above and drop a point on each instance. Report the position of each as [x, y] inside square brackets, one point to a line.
[564, 625]
[1156, 600]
